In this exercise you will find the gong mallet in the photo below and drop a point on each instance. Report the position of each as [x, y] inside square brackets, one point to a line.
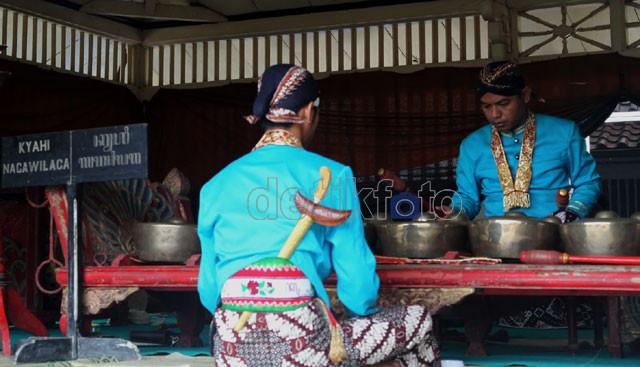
[311, 211]
[562, 198]
[549, 257]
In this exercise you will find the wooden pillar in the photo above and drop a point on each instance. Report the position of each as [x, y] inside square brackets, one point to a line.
[618, 25]
[500, 29]
[141, 72]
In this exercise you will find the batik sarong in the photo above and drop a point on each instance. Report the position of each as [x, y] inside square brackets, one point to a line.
[301, 338]
[289, 326]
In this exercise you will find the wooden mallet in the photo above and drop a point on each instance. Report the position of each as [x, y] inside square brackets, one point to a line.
[549, 257]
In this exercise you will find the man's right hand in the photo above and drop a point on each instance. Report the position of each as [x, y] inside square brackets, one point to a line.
[446, 212]
[566, 216]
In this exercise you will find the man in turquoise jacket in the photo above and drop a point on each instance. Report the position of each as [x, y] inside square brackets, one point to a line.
[521, 159]
[519, 162]
[247, 213]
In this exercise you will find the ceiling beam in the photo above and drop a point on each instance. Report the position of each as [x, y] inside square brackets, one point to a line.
[150, 6]
[317, 21]
[75, 19]
[210, 4]
[523, 5]
[152, 10]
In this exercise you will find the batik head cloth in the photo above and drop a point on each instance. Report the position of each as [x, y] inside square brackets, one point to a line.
[502, 78]
[282, 90]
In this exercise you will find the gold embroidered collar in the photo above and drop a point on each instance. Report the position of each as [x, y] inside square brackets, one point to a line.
[278, 137]
[516, 195]
[514, 132]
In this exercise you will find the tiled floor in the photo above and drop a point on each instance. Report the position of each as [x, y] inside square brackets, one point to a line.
[171, 360]
[531, 348]
[540, 348]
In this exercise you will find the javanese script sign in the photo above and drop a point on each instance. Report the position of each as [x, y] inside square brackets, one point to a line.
[110, 153]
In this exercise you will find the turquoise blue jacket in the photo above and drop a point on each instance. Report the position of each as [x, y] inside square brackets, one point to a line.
[560, 159]
[247, 212]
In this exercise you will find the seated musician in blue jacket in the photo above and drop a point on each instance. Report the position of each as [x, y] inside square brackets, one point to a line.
[520, 159]
[518, 162]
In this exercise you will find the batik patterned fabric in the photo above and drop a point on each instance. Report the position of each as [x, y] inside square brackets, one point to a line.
[269, 285]
[551, 314]
[630, 319]
[503, 78]
[302, 337]
[282, 91]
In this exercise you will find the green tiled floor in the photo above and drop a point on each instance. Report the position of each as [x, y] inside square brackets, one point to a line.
[539, 348]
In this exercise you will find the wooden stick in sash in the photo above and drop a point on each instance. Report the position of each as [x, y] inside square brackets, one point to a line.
[311, 212]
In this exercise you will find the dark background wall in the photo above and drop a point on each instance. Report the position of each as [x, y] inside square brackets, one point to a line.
[368, 120]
